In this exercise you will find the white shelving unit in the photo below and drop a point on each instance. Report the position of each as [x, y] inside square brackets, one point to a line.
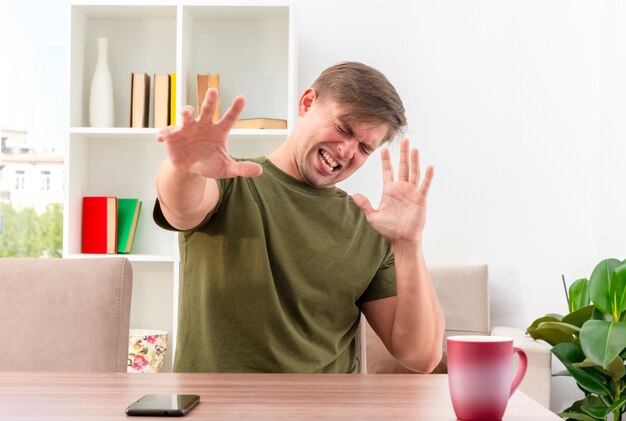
[251, 44]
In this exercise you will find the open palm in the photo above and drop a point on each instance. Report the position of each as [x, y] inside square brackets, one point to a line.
[199, 145]
[401, 215]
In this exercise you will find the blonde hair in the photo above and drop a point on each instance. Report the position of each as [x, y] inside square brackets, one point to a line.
[365, 94]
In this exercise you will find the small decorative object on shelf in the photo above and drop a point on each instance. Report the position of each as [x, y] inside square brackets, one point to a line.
[101, 96]
[146, 350]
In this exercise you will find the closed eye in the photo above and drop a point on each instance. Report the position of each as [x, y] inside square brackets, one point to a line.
[346, 130]
[365, 148]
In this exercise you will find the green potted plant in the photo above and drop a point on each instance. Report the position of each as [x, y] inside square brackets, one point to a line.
[590, 341]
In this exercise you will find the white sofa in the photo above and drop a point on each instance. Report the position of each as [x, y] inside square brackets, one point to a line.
[463, 292]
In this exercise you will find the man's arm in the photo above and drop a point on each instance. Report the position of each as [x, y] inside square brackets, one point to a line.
[411, 324]
[197, 156]
[185, 198]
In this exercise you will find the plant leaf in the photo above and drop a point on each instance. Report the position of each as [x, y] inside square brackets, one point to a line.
[596, 411]
[569, 354]
[601, 285]
[552, 336]
[618, 404]
[586, 363]
[603, 341]
[540, 320]
[576, 408]
[599, 315]
[576, 416]
[603, 412]
[579, 294]
[619, 288]
[616, 369]
[580, 316]
[564, 327]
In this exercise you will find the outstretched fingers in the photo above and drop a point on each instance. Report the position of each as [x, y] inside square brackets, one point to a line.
[414, 176]
[209, 104]
[164, 134]
[403, 170]
[187, 115]
[232, 114]
[410, 172]
[428, 178]
[387, 167]
[247, 169]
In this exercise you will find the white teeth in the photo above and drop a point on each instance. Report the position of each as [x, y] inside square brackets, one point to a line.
[327, 160]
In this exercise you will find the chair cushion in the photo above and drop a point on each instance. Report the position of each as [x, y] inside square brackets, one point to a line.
[64, 314]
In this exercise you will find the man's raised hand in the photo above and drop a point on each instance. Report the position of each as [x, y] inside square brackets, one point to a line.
[401, 215]
[199, 145]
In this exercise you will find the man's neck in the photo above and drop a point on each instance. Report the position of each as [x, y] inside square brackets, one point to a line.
[283, 159]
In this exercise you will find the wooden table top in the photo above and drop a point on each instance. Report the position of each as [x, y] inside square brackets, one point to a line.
[104, 396]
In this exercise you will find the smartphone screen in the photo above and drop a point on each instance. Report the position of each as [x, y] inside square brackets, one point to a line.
[163, 405]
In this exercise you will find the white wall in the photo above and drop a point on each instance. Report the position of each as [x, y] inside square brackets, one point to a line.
[521, 108]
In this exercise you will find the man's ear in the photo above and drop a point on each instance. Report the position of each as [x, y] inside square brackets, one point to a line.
[306, 100]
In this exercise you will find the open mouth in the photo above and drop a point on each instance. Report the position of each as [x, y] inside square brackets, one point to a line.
[328, 160]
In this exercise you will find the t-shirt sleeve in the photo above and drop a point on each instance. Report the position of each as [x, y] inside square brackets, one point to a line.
[159, 218]
[161, 221]
[384, 282]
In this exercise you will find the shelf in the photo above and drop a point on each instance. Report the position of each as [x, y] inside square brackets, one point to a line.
[232, 12]
[249, 43]
[140, 39]
[247, 135]
[105, 132]
[99, 11]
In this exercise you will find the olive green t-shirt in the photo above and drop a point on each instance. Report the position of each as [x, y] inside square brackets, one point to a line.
[272, 279]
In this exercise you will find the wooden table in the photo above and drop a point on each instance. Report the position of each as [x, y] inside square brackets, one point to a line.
[103, 396]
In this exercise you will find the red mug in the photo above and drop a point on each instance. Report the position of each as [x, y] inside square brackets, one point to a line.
[479, 375]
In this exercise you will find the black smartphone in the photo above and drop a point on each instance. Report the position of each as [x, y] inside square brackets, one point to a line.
[163, 405]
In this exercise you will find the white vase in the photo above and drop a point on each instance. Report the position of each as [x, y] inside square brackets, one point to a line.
[101, 95]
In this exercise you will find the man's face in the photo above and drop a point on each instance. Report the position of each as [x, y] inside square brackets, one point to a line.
[330, 148]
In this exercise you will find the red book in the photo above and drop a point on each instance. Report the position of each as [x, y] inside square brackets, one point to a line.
[99, 225]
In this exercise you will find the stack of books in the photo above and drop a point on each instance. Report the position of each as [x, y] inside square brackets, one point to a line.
[163, 100]
[109, 224]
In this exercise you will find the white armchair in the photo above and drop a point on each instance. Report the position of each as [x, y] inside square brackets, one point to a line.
[464, 296]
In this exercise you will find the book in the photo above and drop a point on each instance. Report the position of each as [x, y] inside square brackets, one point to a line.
[260, 123]
[203, 83]
[161, 100]
[99, 225]
[173, 98]
[127, 217]
[139, 99]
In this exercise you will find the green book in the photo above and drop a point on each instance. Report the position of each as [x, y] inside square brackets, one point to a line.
[127, 217]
